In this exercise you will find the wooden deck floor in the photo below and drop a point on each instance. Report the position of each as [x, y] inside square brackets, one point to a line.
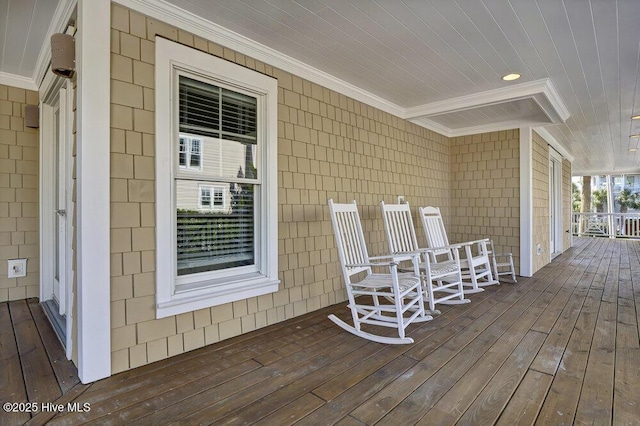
[561, 347]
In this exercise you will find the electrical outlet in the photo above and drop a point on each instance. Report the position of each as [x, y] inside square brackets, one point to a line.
[401, 199]
[538, 249]
[17, 268]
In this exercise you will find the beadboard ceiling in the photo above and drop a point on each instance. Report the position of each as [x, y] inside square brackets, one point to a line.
[439, 62]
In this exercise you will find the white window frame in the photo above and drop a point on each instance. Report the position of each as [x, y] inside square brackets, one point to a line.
[188, 153]
[196, 291]
[213, 189]
[201, 195]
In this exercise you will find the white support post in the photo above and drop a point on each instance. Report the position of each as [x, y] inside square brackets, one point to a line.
[93, 142]
[526, 202]
[611, 221]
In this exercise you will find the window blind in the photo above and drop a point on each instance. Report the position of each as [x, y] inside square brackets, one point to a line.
[216, 240]
[213, 111]
[213, 241]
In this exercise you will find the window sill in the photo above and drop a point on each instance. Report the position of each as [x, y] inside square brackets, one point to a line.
[204, 297]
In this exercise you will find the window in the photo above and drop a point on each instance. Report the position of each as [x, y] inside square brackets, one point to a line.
[190, 153]
[212, 198]
[216, 187]
[205, 197]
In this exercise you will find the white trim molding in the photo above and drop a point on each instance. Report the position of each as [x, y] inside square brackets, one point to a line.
[187, 21]
[176, 294]
[553, 142]
[93, 58]
[543, 92]
[17, 81]
[526, 202]
[493, 97]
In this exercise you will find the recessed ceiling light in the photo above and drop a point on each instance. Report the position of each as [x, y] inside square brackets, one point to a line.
[635, 136]
[633, 149]
[511, 77]
[635, 117]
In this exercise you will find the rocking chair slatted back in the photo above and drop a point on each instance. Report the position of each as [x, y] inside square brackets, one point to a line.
[401, 234]
[435, 232]
[352, 249]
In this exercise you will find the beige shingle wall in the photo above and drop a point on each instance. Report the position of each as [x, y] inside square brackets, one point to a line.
[329, 146]
[486, 190]
[18, 193]
[541, 223]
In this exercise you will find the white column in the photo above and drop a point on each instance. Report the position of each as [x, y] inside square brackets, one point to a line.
[612, 224]
[93, 122]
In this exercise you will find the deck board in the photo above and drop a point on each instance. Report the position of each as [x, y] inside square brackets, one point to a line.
[560, 347]
[12, 388]
[65, 372]
[39, 377]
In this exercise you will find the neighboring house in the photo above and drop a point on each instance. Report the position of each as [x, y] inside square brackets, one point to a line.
[257, 176]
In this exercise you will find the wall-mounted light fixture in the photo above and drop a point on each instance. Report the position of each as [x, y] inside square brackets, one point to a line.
[63, 55]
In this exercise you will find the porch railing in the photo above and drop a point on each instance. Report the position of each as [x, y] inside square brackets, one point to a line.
[613, 225]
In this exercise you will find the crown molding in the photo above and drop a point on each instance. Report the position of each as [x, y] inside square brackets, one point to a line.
[543, 92]
[59, 22]
[599, 172]
[173, 15]
[432, 125]
[472, 130]
[17, 81]
[544, 134]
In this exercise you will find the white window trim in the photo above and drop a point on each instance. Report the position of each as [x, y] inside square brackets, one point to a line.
[212, 188]
[201, 189]
[189, 153]
[169, 57]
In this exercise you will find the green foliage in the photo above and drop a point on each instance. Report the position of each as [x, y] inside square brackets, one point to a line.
[599, 199]
[576, 197]
[626, 199]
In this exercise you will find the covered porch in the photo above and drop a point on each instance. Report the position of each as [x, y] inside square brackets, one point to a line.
[559, 347]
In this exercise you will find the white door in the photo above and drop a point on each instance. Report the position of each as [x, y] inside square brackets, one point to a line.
[56, 214]
[60, 202]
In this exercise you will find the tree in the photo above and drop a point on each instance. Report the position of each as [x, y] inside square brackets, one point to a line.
[585, 206]
[627, 199]
[599, 199]
[576, 198]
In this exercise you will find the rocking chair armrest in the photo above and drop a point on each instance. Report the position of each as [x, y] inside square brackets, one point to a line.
[447, 247]
[470, 243]
[426, 250]
[376, 264]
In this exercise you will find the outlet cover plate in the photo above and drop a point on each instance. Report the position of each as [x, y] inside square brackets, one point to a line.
[17, 268]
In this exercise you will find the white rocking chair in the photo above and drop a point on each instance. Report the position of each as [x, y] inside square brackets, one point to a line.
[476, 265]
[392, 299]
[442, 282]
[503, 266]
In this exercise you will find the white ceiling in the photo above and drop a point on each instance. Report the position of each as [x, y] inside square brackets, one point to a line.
[431, 60]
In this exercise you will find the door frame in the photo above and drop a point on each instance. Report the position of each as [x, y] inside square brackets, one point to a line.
[56, 93]
[555, 203]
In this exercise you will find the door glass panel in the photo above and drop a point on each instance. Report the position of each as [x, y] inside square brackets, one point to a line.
[56, 250]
